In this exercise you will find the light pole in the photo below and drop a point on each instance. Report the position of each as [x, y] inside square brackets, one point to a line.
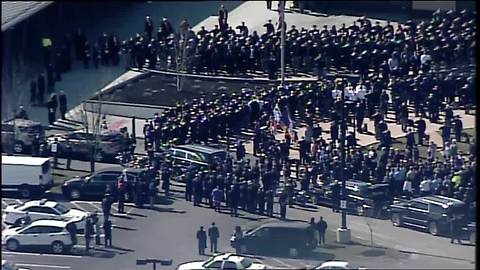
[343, 233]
[282, 44]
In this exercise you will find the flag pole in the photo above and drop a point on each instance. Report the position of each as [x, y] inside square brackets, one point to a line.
[282, 45]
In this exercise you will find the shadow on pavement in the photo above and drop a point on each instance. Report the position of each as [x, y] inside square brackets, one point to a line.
[332, 246]
[122, 249]
[122, 216]
[137, 215]
[124, 228]
[373, 253]
[168, 210]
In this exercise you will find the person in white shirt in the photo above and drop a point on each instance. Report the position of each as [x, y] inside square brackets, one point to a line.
[360, 91]
[349, 92]
[407, 188]
[425, 187]
[336, 94]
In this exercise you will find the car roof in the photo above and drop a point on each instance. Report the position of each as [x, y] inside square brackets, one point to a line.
[439, 200]
[229, 256]
[49, 222]
[294, 225]
[335, 263]
[24, 160]
[22, 122]
[198, 148]
[38, 203]
[119, 169]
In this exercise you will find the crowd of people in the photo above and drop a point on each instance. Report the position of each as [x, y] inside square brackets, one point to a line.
[406, 81]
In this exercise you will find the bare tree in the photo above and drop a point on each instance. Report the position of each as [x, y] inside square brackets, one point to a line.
[92, 123]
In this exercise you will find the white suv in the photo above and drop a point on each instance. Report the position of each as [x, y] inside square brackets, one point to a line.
[43, 209]
[40, 233]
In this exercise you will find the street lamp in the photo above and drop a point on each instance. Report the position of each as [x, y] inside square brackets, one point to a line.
[343, 233]
[154, 262]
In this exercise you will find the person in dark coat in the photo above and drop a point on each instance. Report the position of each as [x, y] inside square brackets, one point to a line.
[421, 127]
[68, 153]
[222, 17]
[148, 27]
[322, 228]
[88, 233]
[62, 100]
[152, 193]
[261, 201]
[72, 229]
[36, 146]
[202, 241]
[234, 198]
[106, 206]
[213, 234]
[282, 200]
[455, 230]
[270, 201]
[269, 4]
[107, 229]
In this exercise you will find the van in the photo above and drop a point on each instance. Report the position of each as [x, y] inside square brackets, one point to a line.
[277, 238]
[20, 134]
[27, 175]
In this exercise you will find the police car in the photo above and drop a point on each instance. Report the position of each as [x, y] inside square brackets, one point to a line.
[43, 233]
[42, 209]
[223, 261]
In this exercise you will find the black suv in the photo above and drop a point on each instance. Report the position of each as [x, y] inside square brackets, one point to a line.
[94, 185]
[427, 213]
[290, 238]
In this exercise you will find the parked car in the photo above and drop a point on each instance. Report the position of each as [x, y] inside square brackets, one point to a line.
[49, 233]
[184, 156]
[227, 260]
[20, 133]
[110, 144]
[338, 265]
[429, 213]
[94, 185]
[363, 199]
[43, 209]
[291, 238]
[7, 265]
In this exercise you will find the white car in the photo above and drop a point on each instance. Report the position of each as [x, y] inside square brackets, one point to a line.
[43, 209]
[338, 265]
[223, 261]
[40, 233]
[6, 265]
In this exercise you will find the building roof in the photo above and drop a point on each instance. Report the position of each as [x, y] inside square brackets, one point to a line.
[14, 12]
[24, 160]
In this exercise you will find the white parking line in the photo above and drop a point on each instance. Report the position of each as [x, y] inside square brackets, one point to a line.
[283, 263]
[43, 265]
[39, 254]
[98, 208]
[78, 206]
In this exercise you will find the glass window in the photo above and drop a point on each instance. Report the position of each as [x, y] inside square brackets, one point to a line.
[180, 154]
[193, 157]
[419, 205]
[48, 210]
[264, 233]
[107, 177]
[246, 263]
[36, 209]
[32, 230]
[45, 167]
[51, 229]
[62, 209]
[229, 265]
[215, 265]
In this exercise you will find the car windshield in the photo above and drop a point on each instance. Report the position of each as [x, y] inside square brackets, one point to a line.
[61, 208]
[31, 129]
[246, 263]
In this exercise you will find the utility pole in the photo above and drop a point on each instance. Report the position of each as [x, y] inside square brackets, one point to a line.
[282, 44]
[343, 233]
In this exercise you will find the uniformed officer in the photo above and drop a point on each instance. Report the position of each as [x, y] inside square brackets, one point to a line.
[62, 100]
[68, 153]
[202, 241]
[54, 150]
[107, 229]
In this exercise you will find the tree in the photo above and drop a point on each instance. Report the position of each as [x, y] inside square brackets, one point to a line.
[91, 119]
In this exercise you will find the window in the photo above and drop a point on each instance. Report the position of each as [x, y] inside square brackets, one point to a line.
[45, 167]
[52, 229]
[264, 233]
[419, 205]
[48, 210]
[179, 154]
[37, 209]
[227, 265]
[107, 177]
[32, 230]
[61, 209]
[215, 265]
[193, 157]
[246, 263]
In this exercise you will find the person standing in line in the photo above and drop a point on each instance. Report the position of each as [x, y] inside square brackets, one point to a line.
[121, 186]
[238, 239]
[152, 193]
[217, 198]
[62, 100]
[202, 241]
[96, 224]
[68, 153]
[269, 4]
[282, 200]
[88, 233]
[106, 207]
[322, 228]
[455, 230]
[54, 150]
[222, 17]
[213, 234]
[107, 229]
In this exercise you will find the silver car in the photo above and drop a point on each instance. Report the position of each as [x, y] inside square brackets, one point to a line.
[20, 134]
[109, 144]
